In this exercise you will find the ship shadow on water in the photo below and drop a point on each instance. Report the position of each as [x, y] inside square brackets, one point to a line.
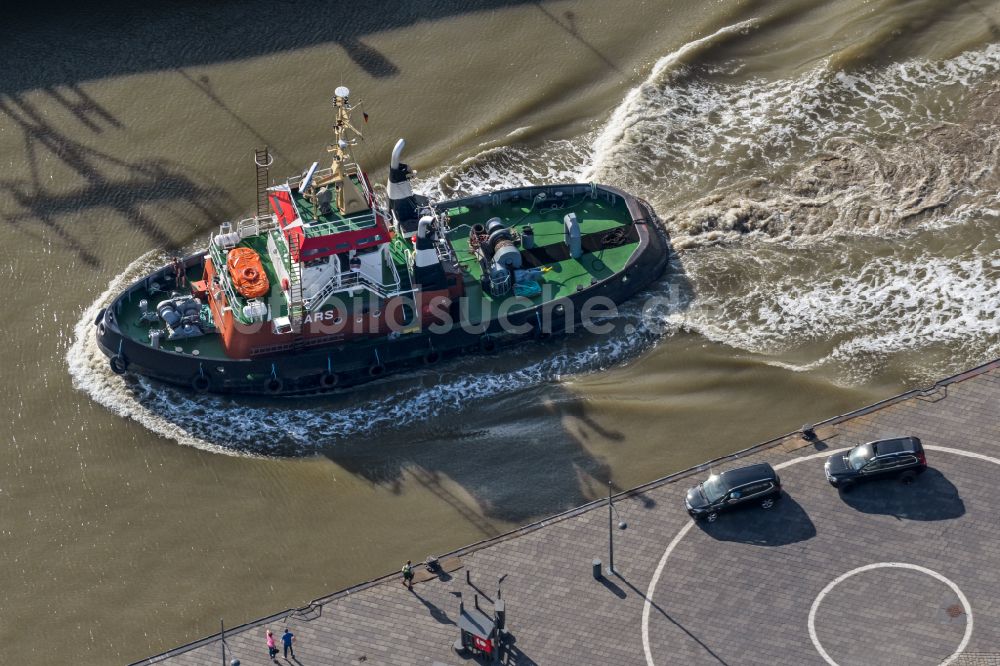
[523, 466]
[512, 455]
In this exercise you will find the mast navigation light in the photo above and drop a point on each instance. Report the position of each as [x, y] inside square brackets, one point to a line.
[341, 91]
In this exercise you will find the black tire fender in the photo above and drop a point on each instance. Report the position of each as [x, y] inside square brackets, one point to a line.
[201, 383]
[119, 364]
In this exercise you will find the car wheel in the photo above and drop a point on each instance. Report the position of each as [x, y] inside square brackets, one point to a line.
[907, 478]
[767, 503]
[712, 517]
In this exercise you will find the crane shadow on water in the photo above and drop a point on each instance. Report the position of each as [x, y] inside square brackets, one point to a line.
[123, 38]
[97, 185]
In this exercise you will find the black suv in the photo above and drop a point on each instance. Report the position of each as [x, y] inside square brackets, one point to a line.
[901, 456]
[745, 486]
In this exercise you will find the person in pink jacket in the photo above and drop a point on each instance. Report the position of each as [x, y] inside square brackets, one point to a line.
[272, 648]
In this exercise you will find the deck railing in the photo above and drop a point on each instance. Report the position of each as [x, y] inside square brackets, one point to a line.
[363, 221]
[357, 279]
[219, 260]
[354, 280]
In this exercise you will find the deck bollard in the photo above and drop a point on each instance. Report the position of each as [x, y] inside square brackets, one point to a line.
[597, 568]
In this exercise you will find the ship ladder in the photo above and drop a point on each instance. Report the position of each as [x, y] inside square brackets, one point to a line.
[296, 305]
[262, 159]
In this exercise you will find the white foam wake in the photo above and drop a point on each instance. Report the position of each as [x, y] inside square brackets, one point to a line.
[303, 425]
[90, 372]
[503, 167]
[850, 315]
[870, 151]
[632, 109]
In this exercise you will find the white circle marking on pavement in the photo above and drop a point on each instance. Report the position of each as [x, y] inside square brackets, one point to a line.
[890, 565]
[647, 604]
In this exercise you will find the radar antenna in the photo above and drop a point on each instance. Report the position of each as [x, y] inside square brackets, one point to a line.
[347, 196]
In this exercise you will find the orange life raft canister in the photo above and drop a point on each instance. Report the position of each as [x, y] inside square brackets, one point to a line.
[247, 272]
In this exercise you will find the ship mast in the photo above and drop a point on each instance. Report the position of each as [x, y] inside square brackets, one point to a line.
[339, 149]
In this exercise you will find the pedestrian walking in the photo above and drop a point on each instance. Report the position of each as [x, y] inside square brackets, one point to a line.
[272, 648]
[286, 642]
[408, 575]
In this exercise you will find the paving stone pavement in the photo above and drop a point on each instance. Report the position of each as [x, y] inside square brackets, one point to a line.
[737, 591]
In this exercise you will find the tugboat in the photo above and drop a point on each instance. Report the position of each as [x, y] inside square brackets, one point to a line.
[327, 287]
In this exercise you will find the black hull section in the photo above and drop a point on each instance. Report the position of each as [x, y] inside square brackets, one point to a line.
[346, 364]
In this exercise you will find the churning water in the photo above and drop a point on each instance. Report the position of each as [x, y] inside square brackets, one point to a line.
[827, 173]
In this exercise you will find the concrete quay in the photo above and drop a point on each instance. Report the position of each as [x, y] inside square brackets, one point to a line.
[886, 574]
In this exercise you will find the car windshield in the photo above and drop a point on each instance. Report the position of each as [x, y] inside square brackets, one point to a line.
[713, 488]
[859, 456]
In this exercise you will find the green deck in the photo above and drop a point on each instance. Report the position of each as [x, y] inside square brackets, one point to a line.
[209, 346]
[275, 298]
[334, 222]
[566, 277]
[561, 279]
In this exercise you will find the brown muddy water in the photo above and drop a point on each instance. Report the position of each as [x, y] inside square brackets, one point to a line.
[827, 170]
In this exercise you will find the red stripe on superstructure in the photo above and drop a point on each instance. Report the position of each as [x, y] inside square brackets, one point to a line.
[281, 204]
[322, 246]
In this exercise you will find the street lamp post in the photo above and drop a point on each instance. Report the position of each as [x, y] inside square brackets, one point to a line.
[612, 511]
[222, 633]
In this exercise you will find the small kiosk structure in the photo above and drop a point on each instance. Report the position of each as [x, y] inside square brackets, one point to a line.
[479, 633]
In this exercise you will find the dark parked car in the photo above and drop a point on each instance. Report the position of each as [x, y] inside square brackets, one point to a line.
[756, 485]
[901, 456]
